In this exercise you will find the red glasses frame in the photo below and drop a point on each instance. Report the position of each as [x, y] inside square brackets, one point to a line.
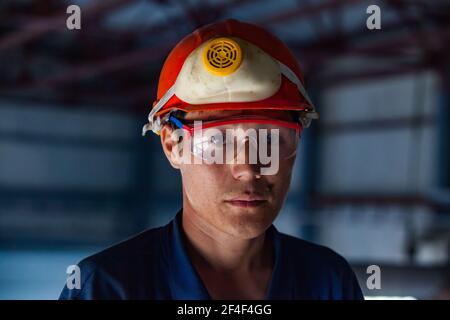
[214, 123]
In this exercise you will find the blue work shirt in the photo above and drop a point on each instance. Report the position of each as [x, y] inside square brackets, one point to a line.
[155, 265]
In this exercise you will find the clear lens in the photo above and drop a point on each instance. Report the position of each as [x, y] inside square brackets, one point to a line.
[252, 142]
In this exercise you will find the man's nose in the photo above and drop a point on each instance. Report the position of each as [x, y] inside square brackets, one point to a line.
[246, 170]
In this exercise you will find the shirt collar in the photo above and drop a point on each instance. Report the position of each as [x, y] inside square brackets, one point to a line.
[184, 281]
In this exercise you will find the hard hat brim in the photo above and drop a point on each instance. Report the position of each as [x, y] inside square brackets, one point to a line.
[254, 105]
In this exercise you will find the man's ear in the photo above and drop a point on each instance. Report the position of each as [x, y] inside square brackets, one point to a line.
[169, 144]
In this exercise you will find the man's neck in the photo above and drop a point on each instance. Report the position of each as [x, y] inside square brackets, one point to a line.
[230, 268]
[222, 252]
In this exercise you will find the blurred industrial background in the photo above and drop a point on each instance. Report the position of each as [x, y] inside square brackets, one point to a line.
[372, 179]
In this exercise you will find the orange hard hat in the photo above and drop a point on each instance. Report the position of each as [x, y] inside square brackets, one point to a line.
[229, 65]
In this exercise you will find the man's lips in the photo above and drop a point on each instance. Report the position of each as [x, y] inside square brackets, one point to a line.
[247, 201]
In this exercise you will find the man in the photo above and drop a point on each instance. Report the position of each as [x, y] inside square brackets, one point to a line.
[230, 110]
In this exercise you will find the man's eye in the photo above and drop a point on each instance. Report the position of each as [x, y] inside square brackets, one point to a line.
[269, 138]
[275, 138]
[214, 140]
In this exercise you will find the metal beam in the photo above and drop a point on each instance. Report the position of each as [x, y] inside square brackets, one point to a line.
[305, 11]
[377, 125]
[37, 28]
[380, 200]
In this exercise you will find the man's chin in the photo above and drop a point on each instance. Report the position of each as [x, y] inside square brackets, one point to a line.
[248, 226]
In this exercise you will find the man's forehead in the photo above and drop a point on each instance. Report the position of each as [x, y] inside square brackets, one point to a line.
[219, 114]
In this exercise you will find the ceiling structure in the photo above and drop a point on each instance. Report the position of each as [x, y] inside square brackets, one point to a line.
[114, 60]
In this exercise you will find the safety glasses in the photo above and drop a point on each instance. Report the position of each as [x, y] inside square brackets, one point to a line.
[221, 141]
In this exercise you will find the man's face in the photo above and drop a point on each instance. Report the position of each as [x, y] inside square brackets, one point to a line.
[221, 194]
